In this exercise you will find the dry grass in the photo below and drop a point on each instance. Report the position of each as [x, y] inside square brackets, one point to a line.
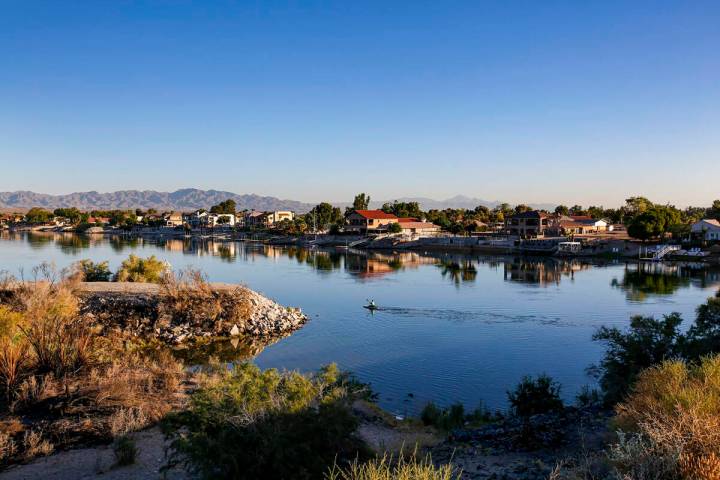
[389, 468]
[35, 445]
[56, 370]
[188, 298]
[14, 366]
[7, 446]
[137, 389]
[675, 410]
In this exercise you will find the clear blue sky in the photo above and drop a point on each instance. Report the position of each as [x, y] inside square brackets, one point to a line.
[538, 101]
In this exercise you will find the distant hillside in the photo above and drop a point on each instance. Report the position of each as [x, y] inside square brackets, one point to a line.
[183, 200]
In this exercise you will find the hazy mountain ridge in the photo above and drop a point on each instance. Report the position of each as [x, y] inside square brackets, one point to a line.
[191, 198]
[185, 199]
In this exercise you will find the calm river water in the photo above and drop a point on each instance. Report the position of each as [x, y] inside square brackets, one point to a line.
[451, 328]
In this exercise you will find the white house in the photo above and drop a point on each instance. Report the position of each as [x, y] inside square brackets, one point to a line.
[708, 229]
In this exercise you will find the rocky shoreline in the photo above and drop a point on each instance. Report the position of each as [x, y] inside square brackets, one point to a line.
[146, 310]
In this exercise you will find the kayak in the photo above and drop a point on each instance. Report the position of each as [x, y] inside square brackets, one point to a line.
[371, 307]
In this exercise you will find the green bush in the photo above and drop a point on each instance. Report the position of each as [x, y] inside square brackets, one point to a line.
[394, 228]
[93, 272]
[125, 450]
[587, 397]
[446, 419]
[703, 337]
[649, 342]
[142, 270]
[251, 424]
[454, 416]
[535, 396]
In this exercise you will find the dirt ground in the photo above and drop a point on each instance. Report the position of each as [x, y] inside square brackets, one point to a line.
[98, 463]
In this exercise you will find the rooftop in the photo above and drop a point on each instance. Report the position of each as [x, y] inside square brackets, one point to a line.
[375, 214]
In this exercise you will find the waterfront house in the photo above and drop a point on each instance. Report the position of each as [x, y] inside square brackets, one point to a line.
[98, 220]
[367, 221]
[419, 228]
[532, 224]
[219, 219]
[197, 218]
[267, 219]
[707, 229]
[582, 224]
[173, 219]
[271, 218]
[255, 219]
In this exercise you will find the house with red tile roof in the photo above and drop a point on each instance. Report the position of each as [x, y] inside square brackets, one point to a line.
[369, 221]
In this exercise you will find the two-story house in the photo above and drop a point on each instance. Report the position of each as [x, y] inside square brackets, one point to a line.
[367, 221]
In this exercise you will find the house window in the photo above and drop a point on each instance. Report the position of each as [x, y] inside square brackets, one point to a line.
[371, 221]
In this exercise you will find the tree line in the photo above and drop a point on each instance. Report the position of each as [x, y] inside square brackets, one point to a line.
[644, 219]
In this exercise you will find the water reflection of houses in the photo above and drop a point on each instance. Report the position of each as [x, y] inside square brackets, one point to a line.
[543, 272]
[373, 265]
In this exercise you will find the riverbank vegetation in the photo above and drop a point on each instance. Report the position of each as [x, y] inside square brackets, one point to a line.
[64, 384]
[245, 423]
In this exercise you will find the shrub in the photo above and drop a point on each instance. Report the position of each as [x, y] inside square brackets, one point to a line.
[703, 337]
[535, 396]
[674, 409]
[125, 450]
[250, 424]
[394, 228]
[9, 321]
[7, 446]
[647, 342]
[57, 369]
[587, 397]
[61, 341]
[142, 270]
[35, 445]
[446, 418]
[93, 272]
[188, 298]
[386, 468]
[14, 367]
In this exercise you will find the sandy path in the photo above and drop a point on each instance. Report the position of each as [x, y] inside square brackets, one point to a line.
[98, 463]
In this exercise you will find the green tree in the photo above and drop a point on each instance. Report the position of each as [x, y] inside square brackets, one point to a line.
[577, 210]
[522, 208]
[714, 211]
[38, 215]
[654, 222]
[403, 209]
[562, 210]
[361, 201]
[482, 213]
[394, 228]
[596, 212]
[72, 214]
[323, 215]
[228, 206]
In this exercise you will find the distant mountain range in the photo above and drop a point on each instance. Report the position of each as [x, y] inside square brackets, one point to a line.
[190, 199]
[182, 200]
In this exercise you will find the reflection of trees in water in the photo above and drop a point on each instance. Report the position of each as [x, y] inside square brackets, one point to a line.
[72, 244]
[543, 272]
[119, 243]
[38, 241]
[458, 271]
[645, 279]
[226, 254]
